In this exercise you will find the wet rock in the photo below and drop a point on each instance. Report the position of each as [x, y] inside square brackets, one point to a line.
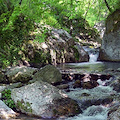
[89, 84]
[86, 78]
[94, 77]
[63, 86]
[85, 94]
[89, 102]
[114, 113]
[49, 74]
[105, 77]
[68, 77]
[77, 84]
[66, 107]
[43, 100]
[20, 74]
[78, 76]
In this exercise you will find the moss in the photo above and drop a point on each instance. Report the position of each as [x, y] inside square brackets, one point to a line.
[25, 106]
[76, 53]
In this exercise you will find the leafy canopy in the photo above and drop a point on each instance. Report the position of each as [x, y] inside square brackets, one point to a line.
[18, 18]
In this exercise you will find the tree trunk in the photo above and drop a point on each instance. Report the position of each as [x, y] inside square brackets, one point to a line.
[20, 2]
[106, 3]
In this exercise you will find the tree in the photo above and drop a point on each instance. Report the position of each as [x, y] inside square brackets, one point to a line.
[19, 17]
[106, 3]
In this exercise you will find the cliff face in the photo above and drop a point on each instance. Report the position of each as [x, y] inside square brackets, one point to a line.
[110, 49]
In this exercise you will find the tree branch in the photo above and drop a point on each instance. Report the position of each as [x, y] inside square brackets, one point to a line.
[106, 3]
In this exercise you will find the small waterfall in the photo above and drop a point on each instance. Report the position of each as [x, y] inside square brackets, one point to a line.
[93, 53]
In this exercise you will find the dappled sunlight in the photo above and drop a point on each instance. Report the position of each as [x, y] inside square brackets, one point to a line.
[63, 94]
[44, 45]
[91, 43]
[8, 114]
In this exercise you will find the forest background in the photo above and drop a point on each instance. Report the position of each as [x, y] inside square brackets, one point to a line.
[20, 18]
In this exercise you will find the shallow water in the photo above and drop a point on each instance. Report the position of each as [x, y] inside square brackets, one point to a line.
[93, 112]
[90, 66]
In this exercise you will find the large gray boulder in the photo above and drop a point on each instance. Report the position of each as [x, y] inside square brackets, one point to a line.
[43, 100]
[59, 47]
[20, 74]
[110, 49]
[49, 74]
[63, 48]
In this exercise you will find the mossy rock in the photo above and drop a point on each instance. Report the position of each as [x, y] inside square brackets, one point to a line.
[25, 107]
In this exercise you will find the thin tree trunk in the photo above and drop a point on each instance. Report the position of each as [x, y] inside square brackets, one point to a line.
[71, 26]
[20, 2]
[87, 9]
[106, 3]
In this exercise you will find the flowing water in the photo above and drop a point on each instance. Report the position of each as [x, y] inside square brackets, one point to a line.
[93, 65]
[93, 112]
[90, 112]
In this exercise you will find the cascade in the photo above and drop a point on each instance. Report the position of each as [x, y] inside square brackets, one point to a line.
[93, 53]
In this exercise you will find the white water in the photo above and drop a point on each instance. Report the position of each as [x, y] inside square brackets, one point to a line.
[92, 113]
[93, 57]
[93, 53]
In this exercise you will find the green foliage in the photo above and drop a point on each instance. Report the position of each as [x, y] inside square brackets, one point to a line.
[14, 29]
[18, 21]
[6, 97]
[25, 106]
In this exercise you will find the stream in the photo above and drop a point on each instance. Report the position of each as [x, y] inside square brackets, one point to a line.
[87, 98]
[91, 112]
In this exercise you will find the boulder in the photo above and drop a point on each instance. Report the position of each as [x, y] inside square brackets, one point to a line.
[48, 73]
[83, 55]
[64, 49]
[43, 100]
[6, 112]
[89, 84]
[110, 49]
[59, 47]
[20, 74]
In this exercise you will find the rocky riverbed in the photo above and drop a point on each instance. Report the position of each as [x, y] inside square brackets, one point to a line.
[56, 93]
